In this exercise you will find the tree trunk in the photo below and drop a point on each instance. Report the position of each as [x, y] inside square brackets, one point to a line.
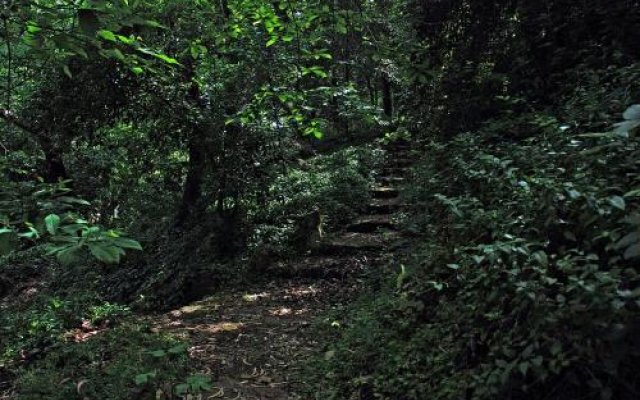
[55, 170]
[192, 191]
[387, 97]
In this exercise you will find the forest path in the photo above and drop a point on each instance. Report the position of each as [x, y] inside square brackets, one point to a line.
[254, 343]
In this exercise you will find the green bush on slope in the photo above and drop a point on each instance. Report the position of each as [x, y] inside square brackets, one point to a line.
[523, 284]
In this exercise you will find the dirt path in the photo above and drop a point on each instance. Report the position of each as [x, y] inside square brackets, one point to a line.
[254, 343]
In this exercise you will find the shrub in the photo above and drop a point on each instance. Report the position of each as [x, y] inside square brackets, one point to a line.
[523, 284]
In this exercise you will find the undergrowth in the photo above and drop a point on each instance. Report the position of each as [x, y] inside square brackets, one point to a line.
[522, 282]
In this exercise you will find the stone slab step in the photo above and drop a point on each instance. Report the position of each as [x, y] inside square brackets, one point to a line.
[384, 192]
[389, 179]
[384, 206]
[395, 171]
[402, 151]
[371, 223]
[400, 162]
[398, 142]
[356, 242]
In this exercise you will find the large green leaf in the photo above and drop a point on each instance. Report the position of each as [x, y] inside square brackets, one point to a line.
[632, 113]
[127, 243]
[66, 255]
[618, 202]
[52, 222]
[106, 253]
[632, 251]
[107, 35]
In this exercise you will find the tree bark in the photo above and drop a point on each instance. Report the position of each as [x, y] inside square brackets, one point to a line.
[192, 191]
[387, 97]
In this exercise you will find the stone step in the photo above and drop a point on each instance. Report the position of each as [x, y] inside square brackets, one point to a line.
[384, 192]
[317, 267]
[395, 171]
[392, 180]
[371, 223]
[400, 162]
[400, 151]
[358, 242]
[384, 206]
[398, 142]
[393, 159]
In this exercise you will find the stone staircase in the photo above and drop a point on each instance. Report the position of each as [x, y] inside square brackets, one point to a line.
[376, 229]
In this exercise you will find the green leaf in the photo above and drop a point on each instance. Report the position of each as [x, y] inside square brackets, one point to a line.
[154, 24]
[632, 251]
[137, 70]
[623, 128]
[178, 349]
[632, 112]
[67, 255]
[401, 276]
[556, 348]
[319, 72]
[478, 259]
[73, 200]
[618, 202]
[142, 379]
[541, 258]
[537, 361]
[523, 367]
[633, 193]
[126, 40]
[107, 35]
[198, 383]
[195, 51]
[51, 223]
[272, 41]
[158, 353]
[118, 54]
[105, 252]
[628, 240]
[31, 234]
[167, 59]
[127, 243]
[67, 71]
[181, 389]
[33, 28]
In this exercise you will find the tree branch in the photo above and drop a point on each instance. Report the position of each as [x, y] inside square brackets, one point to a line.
[13, 119]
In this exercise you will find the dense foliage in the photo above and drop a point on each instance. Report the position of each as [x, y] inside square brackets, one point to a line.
[522, 282]
[154, 152]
